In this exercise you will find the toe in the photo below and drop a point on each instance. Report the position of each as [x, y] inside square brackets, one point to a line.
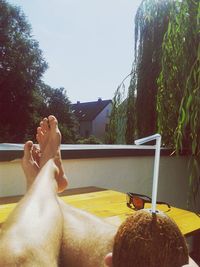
[38, 138]
[28, 149]
[53, 123]
[39, 130]
[36, 154]
[44, 125]
[40, 133]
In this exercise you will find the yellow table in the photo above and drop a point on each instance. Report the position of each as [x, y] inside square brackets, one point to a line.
[111, 206]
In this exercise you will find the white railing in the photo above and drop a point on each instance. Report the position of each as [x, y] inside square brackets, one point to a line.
[123, 173]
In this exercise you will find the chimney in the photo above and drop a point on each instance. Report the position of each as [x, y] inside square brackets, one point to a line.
[99, 99]
[78, 102]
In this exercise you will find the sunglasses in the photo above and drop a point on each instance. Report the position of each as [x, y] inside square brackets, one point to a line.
[137, 201]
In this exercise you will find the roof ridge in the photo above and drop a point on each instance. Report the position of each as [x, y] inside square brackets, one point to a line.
[97, 101]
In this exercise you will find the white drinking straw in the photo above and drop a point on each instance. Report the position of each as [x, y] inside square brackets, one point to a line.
[156, 137]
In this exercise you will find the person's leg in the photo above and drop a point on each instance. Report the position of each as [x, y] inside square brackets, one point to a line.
[86, 238]
[49, 140]
[31, 236]
[30, 162]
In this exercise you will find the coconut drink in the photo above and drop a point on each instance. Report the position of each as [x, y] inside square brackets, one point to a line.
[149, 238]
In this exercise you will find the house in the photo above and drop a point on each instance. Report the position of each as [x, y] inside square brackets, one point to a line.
[93, 117]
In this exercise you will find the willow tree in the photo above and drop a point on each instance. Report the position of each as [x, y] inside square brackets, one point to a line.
[150, 26]
[117, 122]
[130, 113]
[180, 52]
[179, 83]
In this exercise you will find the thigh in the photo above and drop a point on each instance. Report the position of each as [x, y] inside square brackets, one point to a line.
[18, 253]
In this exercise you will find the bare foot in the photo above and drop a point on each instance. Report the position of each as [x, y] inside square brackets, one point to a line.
[30, 162]
[49, 139]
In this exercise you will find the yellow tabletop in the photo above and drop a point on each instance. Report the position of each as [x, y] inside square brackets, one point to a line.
[111, 206]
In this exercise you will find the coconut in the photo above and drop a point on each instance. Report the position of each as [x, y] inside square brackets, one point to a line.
[149, 240]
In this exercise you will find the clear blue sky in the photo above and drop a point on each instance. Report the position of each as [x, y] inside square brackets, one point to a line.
[89, 45]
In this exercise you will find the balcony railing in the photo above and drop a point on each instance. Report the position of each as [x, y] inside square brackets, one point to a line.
[119, 167]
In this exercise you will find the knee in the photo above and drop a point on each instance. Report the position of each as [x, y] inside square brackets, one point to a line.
[12, 254]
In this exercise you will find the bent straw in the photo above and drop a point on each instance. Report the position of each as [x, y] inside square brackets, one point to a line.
[156, 137]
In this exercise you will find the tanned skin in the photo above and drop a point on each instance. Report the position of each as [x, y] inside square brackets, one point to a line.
[73, 237]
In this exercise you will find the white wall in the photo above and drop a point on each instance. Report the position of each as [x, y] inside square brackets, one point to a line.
[119, 173]
[12, 180]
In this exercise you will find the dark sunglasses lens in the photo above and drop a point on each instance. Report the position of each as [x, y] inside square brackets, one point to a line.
[138, 203]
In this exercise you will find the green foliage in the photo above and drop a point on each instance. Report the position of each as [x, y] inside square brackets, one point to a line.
[24, 98]
[21, 67]
[188, 129]
[178, 100]
[150, 25]
[90, 140]
[177, 61]
[165, 83]
[130, 113]
[56, 102]
[48, 101]
[117, 123]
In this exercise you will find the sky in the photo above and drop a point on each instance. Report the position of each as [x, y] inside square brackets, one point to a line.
[88, 45]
